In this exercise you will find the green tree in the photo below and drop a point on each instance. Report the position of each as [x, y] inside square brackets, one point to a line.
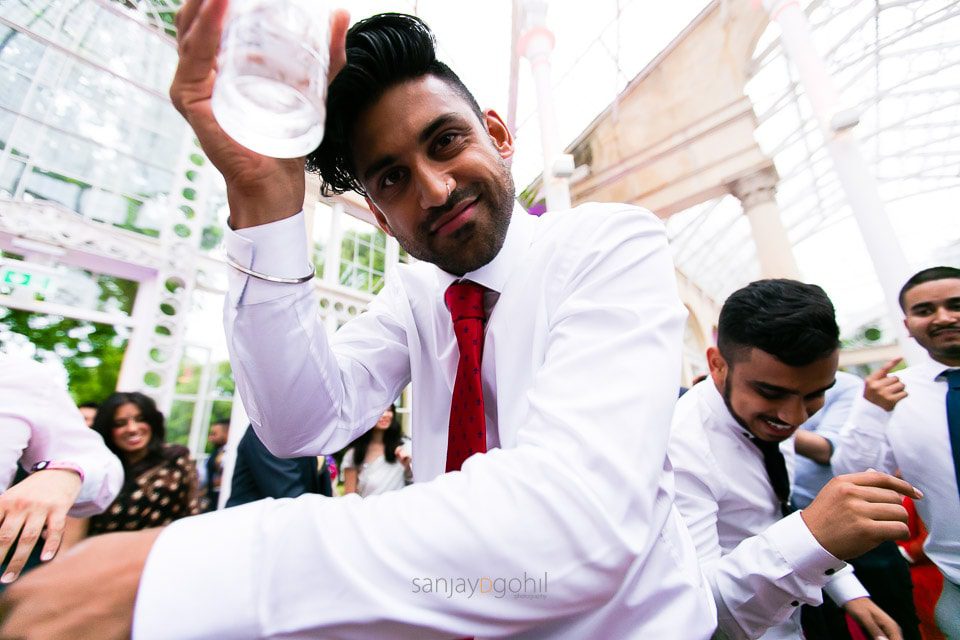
[91, 352]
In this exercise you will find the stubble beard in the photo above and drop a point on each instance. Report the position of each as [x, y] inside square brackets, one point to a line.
[480, 242]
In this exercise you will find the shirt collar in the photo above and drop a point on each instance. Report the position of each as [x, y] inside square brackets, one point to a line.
[929, 368]
[717, 406]
[494, 274]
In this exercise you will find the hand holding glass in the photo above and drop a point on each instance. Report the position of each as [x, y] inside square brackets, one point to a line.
[271, 88]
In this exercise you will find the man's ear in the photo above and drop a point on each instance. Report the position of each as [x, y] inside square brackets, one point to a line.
[499, 133]
[719, 368]
[381, 219]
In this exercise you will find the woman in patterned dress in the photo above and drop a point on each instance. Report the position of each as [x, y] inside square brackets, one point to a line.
[160, 480]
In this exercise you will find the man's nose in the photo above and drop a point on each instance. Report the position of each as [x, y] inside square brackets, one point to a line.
[794, 412]
[942, 315]
[435, 188]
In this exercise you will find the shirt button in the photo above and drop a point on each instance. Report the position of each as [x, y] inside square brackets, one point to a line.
[830, 572]
[795, 603]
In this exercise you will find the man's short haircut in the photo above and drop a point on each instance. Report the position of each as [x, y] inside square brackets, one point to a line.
[382, 52]
[792, 321]
[927, 275]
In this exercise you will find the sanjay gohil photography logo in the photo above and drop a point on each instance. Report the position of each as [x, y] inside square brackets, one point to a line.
[532, 587]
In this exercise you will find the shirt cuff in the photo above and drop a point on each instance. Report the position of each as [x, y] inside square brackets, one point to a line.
[102, 478]
[845, 587]
[200, 542]
[277, 249]
[869, 418]
[797, 546]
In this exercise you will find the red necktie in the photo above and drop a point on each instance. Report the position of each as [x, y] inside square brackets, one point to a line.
[467, 434]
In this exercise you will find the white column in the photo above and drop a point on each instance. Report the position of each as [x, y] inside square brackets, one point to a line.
[859, 184]
[137, 353]
[757, 195]
[535, 44]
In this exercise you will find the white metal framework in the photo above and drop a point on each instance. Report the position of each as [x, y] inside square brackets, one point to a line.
[896, 64]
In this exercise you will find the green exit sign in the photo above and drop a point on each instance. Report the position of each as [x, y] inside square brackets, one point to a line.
[24, 279]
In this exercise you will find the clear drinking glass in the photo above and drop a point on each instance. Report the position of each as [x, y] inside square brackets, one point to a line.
[271, 88]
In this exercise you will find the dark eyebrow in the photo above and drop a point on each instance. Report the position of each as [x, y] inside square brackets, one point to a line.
[772, 388]
[920, 306]
[424, 136]
[431, 128]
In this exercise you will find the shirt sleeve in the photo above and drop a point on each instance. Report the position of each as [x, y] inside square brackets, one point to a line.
[517, 513]
[835, 415]
[862, 443]
[761, 582]
[30, 398]
[14, 437]
[304, 393]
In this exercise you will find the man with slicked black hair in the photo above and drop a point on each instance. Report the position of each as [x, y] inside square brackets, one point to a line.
[544, 353]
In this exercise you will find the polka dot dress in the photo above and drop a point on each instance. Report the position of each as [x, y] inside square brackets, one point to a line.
[158, 495]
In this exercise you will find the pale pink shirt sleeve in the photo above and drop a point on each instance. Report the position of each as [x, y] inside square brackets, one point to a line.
[39, 421]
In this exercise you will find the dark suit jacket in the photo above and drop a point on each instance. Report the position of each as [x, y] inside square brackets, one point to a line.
[259, 474]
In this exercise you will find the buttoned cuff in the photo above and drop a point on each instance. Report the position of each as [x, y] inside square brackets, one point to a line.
[276, 249]
[845, 587]
[797, 546]
[214, 549]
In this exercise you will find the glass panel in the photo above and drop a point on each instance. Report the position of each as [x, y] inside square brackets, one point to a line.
[65, 284]
[363, 259]
[10, 177]
[178, 422]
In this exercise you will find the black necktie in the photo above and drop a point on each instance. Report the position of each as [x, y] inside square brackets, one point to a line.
[777, 472]
[953, 416]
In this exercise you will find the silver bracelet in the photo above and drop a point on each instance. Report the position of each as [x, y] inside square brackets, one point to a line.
[262, 276]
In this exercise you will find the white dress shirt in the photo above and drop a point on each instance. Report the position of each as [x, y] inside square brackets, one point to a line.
[761, 566]
[915, 439]
[574, 508]
[39, 421]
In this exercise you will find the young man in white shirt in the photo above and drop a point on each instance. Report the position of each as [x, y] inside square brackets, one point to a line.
[911, 421]
[565, 528]
[732, 450]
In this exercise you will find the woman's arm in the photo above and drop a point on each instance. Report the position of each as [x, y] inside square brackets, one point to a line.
[349, 481]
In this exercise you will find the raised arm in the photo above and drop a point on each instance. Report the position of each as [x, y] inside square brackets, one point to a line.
[259, 189]
[862, 443]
